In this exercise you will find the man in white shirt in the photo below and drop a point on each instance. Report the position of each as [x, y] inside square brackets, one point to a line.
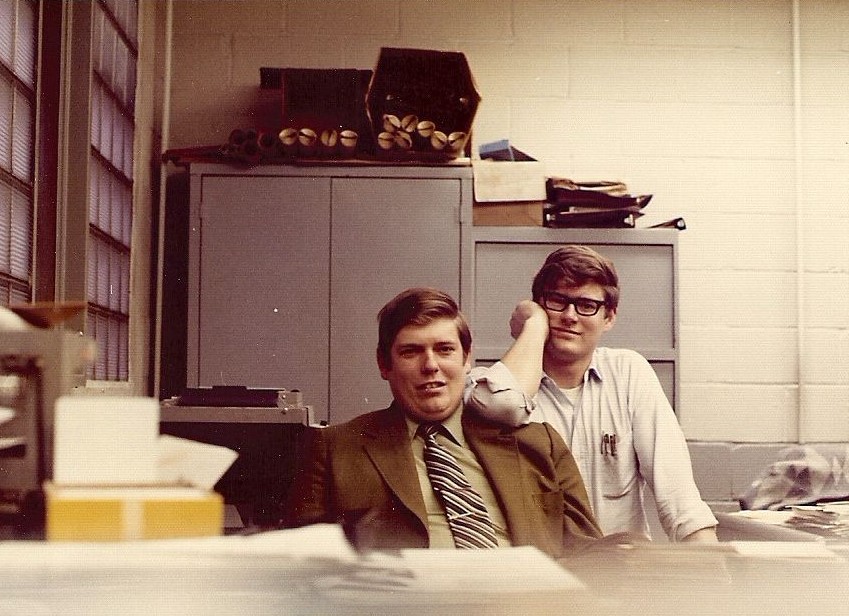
[607, 403]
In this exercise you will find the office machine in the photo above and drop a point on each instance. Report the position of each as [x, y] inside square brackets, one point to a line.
[265, 427]
[37, 366]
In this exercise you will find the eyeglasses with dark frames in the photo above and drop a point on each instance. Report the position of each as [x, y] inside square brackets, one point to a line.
[584, 306]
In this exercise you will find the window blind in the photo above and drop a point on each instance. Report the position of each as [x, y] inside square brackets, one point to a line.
[18, 34]
[114, 54]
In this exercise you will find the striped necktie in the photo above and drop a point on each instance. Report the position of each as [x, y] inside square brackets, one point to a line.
[467, 516]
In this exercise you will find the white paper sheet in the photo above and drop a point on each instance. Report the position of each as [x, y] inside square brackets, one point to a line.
[182, 461]
[503, 570]
[6, 414]
[783, 549]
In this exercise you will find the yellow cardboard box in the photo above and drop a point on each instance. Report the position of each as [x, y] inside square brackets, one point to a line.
[81, 513]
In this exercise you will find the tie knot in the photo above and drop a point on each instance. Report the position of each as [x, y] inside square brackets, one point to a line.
[430, 429]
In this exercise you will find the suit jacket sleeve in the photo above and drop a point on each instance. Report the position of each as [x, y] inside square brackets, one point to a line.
[308, 498]
[361, 475]
[580, 527]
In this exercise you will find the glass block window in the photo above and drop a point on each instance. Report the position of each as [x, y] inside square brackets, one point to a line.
[110, 199]
[18, 39]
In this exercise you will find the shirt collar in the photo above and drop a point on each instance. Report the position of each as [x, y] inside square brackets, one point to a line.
[454, 425]
[592, 369]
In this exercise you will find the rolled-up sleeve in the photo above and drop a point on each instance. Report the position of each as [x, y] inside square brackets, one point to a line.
[493, 392]
[664, 458]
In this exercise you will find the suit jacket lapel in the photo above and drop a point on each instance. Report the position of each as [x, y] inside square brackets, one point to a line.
[387, 444]
[498, 453]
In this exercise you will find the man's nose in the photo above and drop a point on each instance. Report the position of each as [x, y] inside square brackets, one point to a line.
[570, 312]
[429, 363]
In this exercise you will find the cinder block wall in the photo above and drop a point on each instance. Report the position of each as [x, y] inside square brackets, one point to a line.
[732, 114]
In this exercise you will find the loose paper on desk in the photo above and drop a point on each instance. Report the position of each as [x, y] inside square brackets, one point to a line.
[504, 570]
[765, 516]
[7, 414]
[9, 321]
[181, 461]
[316, 541]
[783, 549]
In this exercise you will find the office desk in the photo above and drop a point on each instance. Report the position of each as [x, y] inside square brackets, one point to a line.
[707, 580]
[654, 580]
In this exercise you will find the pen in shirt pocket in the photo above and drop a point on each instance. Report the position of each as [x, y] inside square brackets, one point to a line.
[608, 444]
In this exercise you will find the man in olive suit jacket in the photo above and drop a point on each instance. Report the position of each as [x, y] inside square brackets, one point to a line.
[369, 474]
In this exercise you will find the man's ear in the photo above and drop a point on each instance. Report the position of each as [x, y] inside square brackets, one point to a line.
[384, 369]
[468, 362]
[609, 318]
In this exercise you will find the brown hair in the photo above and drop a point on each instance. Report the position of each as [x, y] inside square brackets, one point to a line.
[418, 306]
[577, 265]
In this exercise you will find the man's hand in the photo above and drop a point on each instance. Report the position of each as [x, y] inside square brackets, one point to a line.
[529, 328]
[528, 314]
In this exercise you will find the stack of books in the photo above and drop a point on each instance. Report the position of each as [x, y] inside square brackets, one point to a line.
[591, 204]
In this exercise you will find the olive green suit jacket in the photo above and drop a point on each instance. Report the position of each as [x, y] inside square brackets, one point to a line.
[362, 474]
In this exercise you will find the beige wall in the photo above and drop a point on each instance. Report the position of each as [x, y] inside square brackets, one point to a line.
[714, 107]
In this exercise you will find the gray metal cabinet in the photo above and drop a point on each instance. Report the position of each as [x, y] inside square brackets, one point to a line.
[506, 259]
[289, 265]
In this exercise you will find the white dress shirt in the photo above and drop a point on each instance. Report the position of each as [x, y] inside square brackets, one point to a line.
[622, 432]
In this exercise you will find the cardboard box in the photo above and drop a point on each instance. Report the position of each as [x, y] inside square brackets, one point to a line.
[421, 104]
[508, 214]
[507, 181]
[127, 513]
[320, 102]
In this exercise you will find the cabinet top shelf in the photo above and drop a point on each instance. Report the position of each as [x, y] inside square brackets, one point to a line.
[452, 170]
[518, 235]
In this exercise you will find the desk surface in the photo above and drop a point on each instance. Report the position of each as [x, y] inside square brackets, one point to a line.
[137, 578]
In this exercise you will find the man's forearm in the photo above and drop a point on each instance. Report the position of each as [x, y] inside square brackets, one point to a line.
[524, 357]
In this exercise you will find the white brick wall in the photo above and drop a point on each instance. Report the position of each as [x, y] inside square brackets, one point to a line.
[690, 101]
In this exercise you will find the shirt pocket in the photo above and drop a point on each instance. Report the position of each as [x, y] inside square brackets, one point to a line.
[619, 472]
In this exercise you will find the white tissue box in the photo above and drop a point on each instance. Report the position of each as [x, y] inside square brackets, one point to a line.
[108, 440]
